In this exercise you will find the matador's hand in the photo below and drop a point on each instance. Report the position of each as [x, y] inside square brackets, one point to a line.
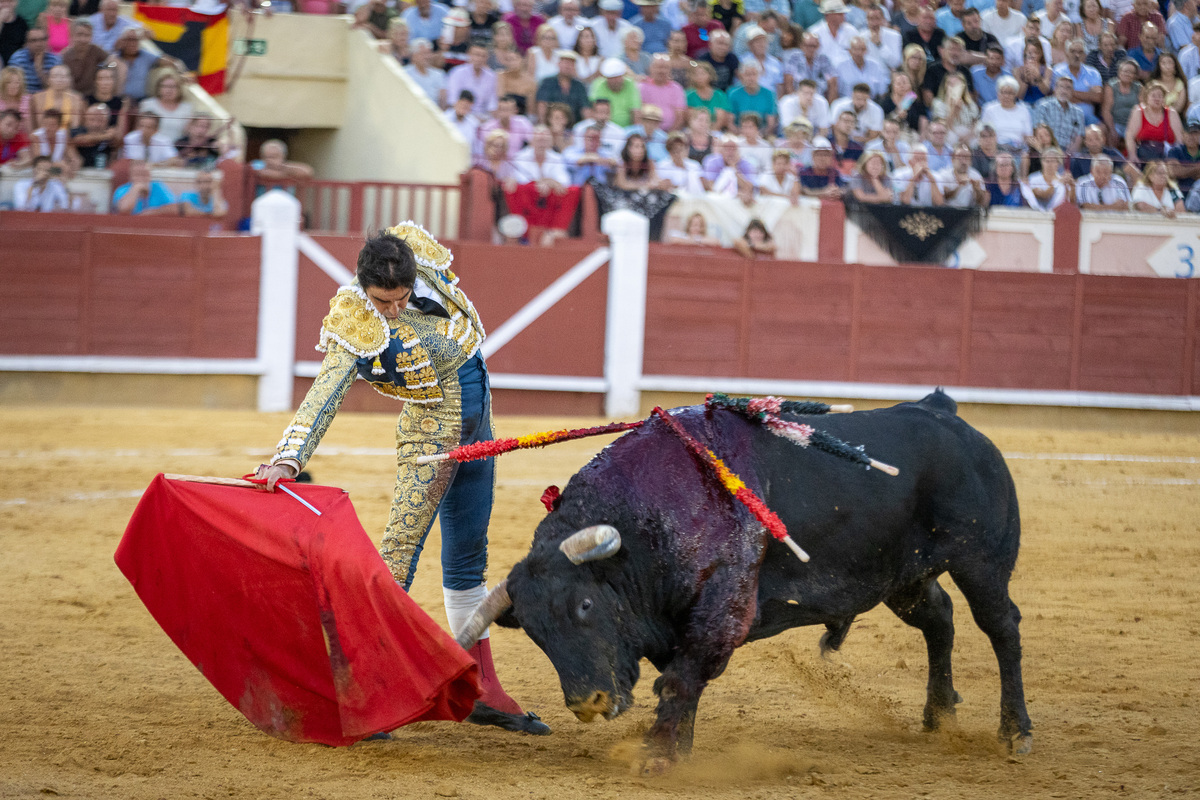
[273, 474]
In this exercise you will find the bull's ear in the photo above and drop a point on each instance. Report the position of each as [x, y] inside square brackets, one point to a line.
[508, 620]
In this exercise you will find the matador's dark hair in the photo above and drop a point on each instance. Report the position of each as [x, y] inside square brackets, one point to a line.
[386, 262]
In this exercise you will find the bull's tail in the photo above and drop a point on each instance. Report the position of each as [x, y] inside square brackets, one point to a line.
[940, 402]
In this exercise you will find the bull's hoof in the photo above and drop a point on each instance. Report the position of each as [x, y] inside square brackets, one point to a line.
[1022, 744]
[653, 767]
[519, 723]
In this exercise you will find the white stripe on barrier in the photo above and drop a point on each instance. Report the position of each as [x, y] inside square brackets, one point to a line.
[132, 365]
[324, 260]
[544, 300]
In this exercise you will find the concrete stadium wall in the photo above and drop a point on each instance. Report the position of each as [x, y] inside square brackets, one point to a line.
[357, 114]
[300, 82]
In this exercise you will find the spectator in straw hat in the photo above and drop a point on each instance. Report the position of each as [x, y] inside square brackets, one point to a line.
[654, 27]
[770, 67]
[833, 32]
[650, 127]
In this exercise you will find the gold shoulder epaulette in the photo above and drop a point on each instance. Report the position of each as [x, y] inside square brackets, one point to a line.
[428, 250]
[354, 323]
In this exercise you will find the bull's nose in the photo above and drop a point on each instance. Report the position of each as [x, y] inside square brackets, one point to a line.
[598, 702]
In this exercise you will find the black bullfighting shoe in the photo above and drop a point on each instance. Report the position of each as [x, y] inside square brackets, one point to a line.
[528, 722]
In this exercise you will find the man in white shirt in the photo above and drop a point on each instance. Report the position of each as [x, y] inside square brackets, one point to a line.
[1004, 21]
[611, 134]
[1102, 190]
[432, 81]
[868, 114]
[41, 192]
[883, 43]
[567, 23]
[961, 184]
[682, 172]
[538, 163]
[805, 102]
[833, 32]
[610, 29]
[461, 117]
[858, 68]
[916, 185]
[1014, 46]
[1051, 17]
[145, 143]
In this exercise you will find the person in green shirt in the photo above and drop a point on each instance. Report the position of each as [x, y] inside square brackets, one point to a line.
[704, 95]
[620, 91]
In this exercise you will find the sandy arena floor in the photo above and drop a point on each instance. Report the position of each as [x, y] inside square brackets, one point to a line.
[97, 702]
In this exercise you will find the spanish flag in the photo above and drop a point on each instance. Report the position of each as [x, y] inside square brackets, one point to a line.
[201, 41]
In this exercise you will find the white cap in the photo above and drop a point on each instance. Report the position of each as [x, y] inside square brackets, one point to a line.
[512, 226]
[611, 5]
[833, 7]
[612, 67]
[753, 32]
[821, 143]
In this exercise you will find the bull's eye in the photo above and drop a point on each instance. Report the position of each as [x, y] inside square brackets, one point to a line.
[584, 607]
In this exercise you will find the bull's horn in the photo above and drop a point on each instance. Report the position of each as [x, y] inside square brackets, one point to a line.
[591, 544]
[495, 604]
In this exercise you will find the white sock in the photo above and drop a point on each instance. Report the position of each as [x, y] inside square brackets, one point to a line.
[461, 604]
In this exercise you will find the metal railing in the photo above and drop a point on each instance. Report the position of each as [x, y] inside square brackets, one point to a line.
[354, 207]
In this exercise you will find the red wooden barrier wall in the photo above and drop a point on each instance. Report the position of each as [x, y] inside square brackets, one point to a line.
[190, 294]
[121, 293]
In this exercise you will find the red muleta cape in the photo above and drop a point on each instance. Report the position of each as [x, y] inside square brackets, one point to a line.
[293, 617]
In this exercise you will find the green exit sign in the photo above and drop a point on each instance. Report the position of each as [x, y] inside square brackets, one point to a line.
[250, 47]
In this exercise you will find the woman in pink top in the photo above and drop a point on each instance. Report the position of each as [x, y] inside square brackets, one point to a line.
[57, 24]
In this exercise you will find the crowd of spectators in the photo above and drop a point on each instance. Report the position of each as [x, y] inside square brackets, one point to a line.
[80, 90]
[1024, 103]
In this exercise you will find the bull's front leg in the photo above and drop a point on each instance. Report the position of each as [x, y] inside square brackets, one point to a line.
[717, 625]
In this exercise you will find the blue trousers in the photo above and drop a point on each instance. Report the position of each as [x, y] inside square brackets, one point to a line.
[466, 491]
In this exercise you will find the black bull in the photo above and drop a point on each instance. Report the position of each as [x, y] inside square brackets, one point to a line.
[688, 575]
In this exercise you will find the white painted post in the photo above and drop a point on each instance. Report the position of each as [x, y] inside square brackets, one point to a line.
[276, 218]
[629, 237]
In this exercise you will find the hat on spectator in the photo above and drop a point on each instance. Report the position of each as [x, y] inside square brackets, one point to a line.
[651, 111]
[611, 5]
[458, 18]
[821, 143]
[571, 54]
[612, 67]
[833, 7]
[512, 226]
[753, 32]
[647, 2]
